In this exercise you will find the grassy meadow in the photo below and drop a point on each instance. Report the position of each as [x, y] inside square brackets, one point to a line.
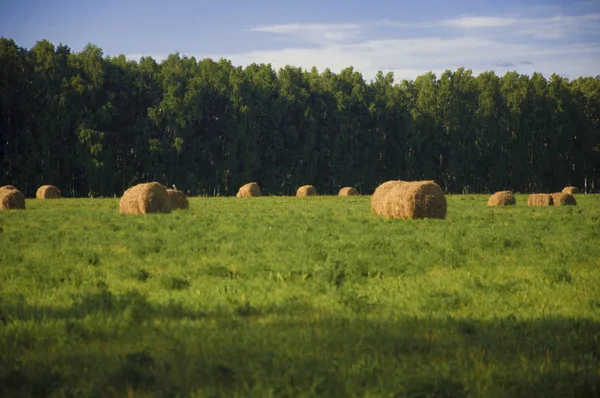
[300, 297]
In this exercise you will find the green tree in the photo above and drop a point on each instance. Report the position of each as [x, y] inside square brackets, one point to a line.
[17, 141]
[95, 125]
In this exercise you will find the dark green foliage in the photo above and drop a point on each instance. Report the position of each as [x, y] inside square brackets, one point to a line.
[141, 274]
[94, 125]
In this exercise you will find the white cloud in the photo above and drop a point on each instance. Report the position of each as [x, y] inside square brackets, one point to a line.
[409, 58]
[558, 27]
[549, 27]
[317, 33]
[470, 22]
[475, 42]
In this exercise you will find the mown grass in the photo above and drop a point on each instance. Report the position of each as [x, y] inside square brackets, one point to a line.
[285, 296]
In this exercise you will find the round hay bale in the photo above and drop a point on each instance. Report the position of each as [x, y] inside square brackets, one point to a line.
[348, 191]
[562, 199]
[378, 198]
[306, 190]
[11, 198]
[411, 200]
[249, 190]
[502, 198]
[540, 199]
[145, 198]
[47, 192]
[178, 199]
[571, 190]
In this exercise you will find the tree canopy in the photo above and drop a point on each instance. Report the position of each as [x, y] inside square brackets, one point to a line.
[94, 125]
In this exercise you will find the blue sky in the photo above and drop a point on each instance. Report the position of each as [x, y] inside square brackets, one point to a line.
[406, 37]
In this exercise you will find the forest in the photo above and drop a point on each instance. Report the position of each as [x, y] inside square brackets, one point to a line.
[94, 125]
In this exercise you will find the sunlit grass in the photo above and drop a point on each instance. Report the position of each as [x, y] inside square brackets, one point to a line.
[285, 296]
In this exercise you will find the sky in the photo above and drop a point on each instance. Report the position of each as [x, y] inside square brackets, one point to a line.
[406, 37]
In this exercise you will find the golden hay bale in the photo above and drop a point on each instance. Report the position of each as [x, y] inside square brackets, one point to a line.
[306, 190]
[12, 187]
[540, 199]
[378, 198]
[145, 198]
[178, 199]
[11, 198]
[47, 192]
[249, 190]
[571, 190]
[502, 198]
[411, 199]
[348, 191]
[561, 199]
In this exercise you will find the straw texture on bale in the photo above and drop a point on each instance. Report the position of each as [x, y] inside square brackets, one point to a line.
[571, 190]
[409, 200]
[145, 198]
[540, 199]
[502, 198]
[378, 198]
[348, 191]
[306, 190]
[11, 198]
[562, 199]
[47, 192]
[249, 190]
[178, 199]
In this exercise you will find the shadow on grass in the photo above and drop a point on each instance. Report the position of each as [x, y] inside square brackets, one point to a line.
[115, 345]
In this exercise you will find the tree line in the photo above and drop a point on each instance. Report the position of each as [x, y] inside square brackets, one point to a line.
[94, 125]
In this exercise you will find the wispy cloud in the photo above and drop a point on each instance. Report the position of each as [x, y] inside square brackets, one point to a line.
[559, 26]
[316, 33]
[471, 22]
[552, 27]
[563, 44]
[408, 58]
[548, 27]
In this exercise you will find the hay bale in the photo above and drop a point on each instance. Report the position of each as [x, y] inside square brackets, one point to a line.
[145, 198]
[178, 199]
[562, 199]
[11, 198]
[249, 190]
[306, 190]
[540, 199]
[8, 187]
[348, 191]
[378, 198]
[47, 192]
[502, 198]
[409, 200]
[571, 190]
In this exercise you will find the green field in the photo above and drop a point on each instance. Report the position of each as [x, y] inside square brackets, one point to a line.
[300, 297]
